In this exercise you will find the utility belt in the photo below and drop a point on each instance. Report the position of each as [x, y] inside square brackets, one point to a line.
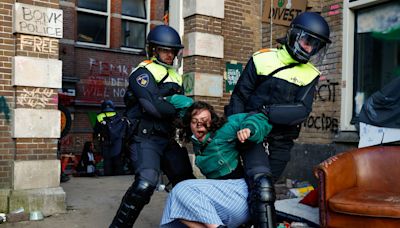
[148, 128]
[284, 132]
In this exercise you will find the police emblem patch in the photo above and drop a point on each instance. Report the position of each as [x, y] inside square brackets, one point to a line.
[143, 80]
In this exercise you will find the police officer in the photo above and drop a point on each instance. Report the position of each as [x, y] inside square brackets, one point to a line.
[281, 83]
[153, 148]
[110, 139]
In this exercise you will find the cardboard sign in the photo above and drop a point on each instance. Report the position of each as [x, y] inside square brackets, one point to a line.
[283, 11]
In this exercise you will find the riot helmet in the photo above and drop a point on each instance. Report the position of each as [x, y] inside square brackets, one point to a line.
[308, 37]
[107, 106]
[164, 38]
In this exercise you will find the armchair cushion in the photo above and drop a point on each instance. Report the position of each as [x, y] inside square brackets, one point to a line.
[365, 202]
[360, 188]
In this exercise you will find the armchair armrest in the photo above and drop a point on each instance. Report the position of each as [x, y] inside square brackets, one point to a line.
[334, 174]
[339, 173]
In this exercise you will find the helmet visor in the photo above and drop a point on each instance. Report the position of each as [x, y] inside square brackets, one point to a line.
[309, 43]
[169, 57]
[309, 46]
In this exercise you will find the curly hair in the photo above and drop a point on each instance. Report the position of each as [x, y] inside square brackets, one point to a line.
[216, 121]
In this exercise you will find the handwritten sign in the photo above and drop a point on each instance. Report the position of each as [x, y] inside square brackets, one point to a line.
[38, 20]
[39, 44]
[283, 11]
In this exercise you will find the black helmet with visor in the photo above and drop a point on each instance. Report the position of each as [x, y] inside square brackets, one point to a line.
[107, 106]
[308, 37]
[164, 37]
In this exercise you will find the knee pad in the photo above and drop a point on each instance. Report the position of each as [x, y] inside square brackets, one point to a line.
[137, 196]
[261, 201]
[140, 192]
[149, 175]
[262, 189]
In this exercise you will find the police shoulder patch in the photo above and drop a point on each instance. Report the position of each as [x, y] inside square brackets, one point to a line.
[143, 80]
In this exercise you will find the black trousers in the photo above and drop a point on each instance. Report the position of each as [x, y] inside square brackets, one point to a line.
[113, 165]
[152, 154]
[269, 157]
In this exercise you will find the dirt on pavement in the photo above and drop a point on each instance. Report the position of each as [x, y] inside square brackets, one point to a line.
[92, 203]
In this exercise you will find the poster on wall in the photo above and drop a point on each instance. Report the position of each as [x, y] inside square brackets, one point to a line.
[283, 11]
[233, 72]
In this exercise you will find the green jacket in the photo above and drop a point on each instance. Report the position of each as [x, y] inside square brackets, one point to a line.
[220, 156]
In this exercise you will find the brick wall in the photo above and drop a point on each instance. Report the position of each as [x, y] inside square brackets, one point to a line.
[7, 47]
[241, 29]
[21, 96]
[91, 66]
[323, 122]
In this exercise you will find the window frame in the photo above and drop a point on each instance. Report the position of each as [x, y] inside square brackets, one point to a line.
[349, 20]
[140, 20]
[95, 12]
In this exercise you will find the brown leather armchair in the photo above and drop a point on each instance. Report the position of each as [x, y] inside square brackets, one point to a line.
[360, 188]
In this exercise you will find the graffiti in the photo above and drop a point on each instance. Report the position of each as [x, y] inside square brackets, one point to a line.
[35, 98]
[323, 122]
[105, 80]
[99, 68]
[4, 108]
[39, 44]
[74, 141]
[334, 9]
[94, 88]
[38, 20]
[326, 92]
[188, 84]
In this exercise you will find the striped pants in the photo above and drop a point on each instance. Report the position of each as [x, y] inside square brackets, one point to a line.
[221, 202]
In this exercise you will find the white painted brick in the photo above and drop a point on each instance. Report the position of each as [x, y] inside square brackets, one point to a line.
[36, 123]
[203, 84]
[212, 8]
[36, 174]
[37, 72]
[204, 44]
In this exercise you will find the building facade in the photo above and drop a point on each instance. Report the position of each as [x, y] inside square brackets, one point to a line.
[219, 37]
[31, 76]
[103, 42]
[363, 57]
[88, 59]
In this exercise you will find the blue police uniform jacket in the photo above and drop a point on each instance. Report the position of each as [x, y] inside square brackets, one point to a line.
[286, 96]
[154, 113]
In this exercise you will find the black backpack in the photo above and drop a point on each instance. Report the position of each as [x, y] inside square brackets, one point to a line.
[112, 129]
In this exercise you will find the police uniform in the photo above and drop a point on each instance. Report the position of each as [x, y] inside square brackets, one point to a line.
[153, 144]
[285, 96]
[153, 148]
[110, 146]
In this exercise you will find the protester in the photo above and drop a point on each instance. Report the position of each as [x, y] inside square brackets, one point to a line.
[109, 131]
[281, 83]
[222, 202]
[152, 146]
[86, 165]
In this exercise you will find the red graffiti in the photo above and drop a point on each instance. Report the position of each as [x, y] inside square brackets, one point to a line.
[93, 88]
[99, 68]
